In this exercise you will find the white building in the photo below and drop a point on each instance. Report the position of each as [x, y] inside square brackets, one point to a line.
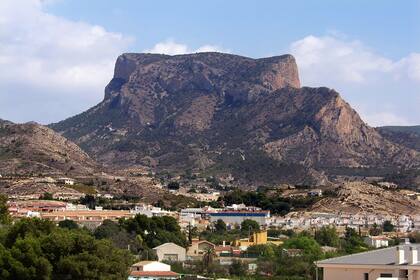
[151, 211]
[65, 181]
[170, 252]
[151, 270]
[315, 192]
[393, 263]
[376, 241]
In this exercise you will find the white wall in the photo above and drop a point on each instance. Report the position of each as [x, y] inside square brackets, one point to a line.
[156, 266]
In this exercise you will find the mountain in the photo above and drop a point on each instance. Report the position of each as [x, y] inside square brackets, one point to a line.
[31, 148]
[408, 136]
[220, 113]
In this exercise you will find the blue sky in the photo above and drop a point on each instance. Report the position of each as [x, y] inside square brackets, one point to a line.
[56, 56]
[254, 28]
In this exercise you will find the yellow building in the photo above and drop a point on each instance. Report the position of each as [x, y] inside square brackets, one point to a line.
[257, 238]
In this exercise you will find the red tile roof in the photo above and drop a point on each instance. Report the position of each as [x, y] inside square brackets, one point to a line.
[154, 273]
[223, 248]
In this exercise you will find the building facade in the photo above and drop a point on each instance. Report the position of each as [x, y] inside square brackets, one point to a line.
[237, 217]
[393, 263]
[170, 252]
[151, 270]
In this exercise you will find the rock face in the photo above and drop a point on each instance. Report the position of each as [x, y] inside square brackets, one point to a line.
[223, 113]
[31, 148]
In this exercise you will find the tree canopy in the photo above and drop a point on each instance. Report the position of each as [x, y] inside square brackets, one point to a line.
[4, 212]
[37, 249]
[249, 226]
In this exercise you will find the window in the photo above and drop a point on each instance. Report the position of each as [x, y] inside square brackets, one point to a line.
[386, 275]
[366, 276]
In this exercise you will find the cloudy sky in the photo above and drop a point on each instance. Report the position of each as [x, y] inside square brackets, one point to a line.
[56, 56]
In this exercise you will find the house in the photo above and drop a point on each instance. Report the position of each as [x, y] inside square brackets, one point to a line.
[376, 241]
[65, 181]
[198, 248]
[151, 270]
[315, 192]
[170, 252]
[151, 211]
[398, 262]
[257, 238]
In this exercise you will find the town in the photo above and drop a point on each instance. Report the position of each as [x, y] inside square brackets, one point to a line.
[223, 236]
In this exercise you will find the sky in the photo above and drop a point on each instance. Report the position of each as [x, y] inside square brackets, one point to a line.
[56, 56]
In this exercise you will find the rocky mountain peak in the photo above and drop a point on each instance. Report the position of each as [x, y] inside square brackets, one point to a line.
[223, 113]
[205, 71]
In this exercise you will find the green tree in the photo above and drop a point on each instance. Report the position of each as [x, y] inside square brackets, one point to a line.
[327, 236]
[388, 226]
[268, 251]
[107, 229]
[249, 226]
[37, 249]
[89, 200]
[307, 244]
[28, 252]
[4, 210]
[156, 230]
[173, 185]
[220, 226]
[24, 227]
[208, 257]
[353, 242]
[237, 268]
[69, 224]
[375, 230]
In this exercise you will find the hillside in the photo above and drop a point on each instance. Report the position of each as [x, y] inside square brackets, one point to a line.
[219, 113]
[408, 136]
[32, 149]
[364, 198]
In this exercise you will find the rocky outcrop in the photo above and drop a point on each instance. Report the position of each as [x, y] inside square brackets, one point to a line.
[220, 113]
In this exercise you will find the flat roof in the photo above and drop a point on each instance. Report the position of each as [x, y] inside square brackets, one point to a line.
[154, 274]
[384, 256]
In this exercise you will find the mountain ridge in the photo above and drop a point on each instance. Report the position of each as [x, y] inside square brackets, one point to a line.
[220, 113]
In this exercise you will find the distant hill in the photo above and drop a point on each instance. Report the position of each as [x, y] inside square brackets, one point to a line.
[407, 129]
[219, 113]
[408, 136]
[31, 149]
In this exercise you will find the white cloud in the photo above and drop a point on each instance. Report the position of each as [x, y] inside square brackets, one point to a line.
[411, 66]
[52, 60]
[384, 87]
[173, 48]
[347, 61]
[168, 47]
[211, 48]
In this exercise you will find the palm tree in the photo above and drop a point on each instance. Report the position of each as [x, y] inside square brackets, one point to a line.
[208, 257]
